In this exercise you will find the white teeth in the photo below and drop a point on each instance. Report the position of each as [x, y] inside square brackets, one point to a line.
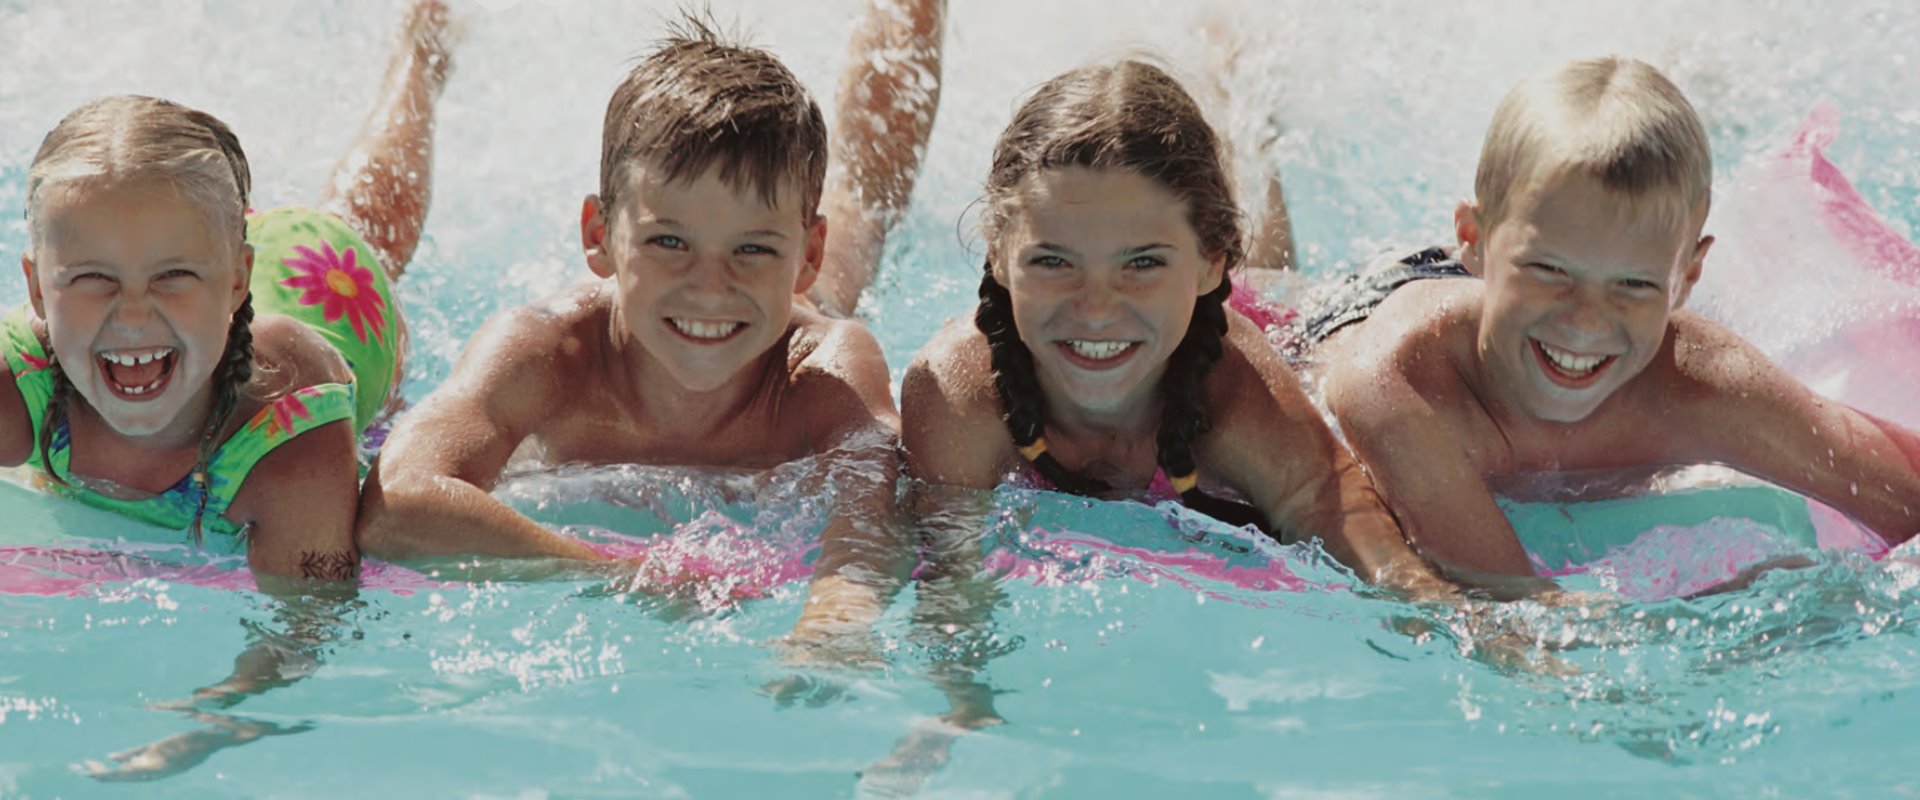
[1569, 362]
[703, 329]
[154, 386]
[127, 359]
[1097, 350]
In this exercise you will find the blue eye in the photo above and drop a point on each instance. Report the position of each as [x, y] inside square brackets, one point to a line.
[757, 250]
[1146, 262]
[668, 241]
[1048, 261]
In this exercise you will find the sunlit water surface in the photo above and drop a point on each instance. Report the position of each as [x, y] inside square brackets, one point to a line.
[1119, 673]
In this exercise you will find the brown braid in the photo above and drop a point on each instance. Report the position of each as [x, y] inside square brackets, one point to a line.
[1135, 117]
[229, 379]
[1183, 410]
[1019, 386]
[56, 414]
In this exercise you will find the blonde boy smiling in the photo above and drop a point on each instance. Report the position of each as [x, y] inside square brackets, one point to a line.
[1572, 352]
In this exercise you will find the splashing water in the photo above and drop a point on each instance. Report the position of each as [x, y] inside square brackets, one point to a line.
[1131, 651]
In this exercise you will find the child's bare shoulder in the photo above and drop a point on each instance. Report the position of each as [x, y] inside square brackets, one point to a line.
[1708, 357]
[1418, 338]
[562, 327]
[840, 348]
[1249, 372]
[290, 355]
[952, 431]
[536, 350]
[838, 378]
[954, 370]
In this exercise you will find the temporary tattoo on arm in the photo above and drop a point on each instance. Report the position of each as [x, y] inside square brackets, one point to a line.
[333, 565]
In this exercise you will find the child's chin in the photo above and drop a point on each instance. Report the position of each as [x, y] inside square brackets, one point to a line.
[148, 418]
[1564, 412]
[705, 379]
[143, 425]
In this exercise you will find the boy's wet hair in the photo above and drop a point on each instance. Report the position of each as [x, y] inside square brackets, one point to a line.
[133, 139]
[701, 101]
[1129, 116]
[1616, 120]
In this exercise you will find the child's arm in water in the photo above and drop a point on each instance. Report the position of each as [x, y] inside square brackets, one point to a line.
[884, 116]
[16, 427]
[428, 493]
[1270, 442]
[1748, 413]
[298, 503]
[1397, 396]
[297, 507]
[956, 450]
[842, 392]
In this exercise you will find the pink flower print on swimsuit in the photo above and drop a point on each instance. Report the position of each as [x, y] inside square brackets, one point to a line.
[283, 412]
[336, 279]
[34, 363]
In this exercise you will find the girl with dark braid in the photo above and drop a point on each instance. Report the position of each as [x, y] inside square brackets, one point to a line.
[148, 385]
[1103, 356]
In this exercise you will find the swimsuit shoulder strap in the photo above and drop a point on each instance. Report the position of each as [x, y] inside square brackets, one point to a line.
[275, 424]
[30, 363]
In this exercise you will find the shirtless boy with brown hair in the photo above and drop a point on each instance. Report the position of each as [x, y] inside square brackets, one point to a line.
[695, 348]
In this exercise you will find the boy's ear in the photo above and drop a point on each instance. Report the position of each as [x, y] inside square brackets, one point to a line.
[1466, 230]
[33, 287]
[815, 254]
[1696, 262]
[593, 236]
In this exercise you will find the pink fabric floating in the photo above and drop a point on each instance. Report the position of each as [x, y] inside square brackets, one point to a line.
[1072, 557]
[1852, 220]
[75, 572]
[1263, 314]
[1676, 561]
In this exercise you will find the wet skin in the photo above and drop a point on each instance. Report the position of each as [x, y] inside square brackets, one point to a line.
[1574, 354]
[134, 272]
[1108, 257]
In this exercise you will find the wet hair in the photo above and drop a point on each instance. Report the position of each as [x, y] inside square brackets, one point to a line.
[701, 101]
[1129, 116]
[1616, 120]
[128, 139]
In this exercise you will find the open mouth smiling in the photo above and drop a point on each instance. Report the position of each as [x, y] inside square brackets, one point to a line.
[136, 374]
[1097, 354]
[1569, 369]
[705, 331]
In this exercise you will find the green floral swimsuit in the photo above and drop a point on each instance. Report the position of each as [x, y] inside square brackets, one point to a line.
[307, 265]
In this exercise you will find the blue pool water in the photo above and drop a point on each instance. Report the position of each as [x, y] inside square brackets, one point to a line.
[1117, 675]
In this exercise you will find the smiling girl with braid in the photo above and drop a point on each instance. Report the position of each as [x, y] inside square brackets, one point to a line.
[146, 383]
[1102, 356]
